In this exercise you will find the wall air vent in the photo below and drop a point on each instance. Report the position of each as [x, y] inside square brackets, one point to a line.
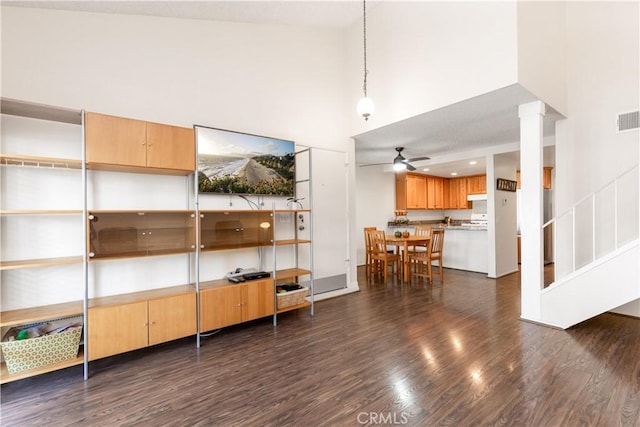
[628, 121]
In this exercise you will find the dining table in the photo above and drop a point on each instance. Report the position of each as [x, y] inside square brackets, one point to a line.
[404, 243]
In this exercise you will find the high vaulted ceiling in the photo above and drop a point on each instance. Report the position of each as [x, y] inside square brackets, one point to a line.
[474, 124]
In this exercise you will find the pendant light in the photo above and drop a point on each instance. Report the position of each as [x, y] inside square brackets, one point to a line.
[365, 105]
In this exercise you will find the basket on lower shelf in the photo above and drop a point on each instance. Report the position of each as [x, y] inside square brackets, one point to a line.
[31, 353]
[291, 297]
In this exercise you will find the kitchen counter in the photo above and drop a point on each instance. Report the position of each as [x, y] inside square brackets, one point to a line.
[465, 246]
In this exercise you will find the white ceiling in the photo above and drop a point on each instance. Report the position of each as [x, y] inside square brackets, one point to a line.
[472, 125]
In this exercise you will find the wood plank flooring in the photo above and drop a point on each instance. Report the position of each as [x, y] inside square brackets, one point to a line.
[416, 355]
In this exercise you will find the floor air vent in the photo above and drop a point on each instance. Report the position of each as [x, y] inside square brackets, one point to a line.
[628, 121]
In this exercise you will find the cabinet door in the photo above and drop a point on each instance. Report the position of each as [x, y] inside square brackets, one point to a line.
[416, 192]
[220, 307]
[115, 140]
[170, 147]
[117, 329]
[463, 203]
[401, 191]
[451, 193]
[439, 193]
[259, 299]
[172, 318]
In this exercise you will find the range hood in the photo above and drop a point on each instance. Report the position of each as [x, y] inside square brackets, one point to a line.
[472, 197]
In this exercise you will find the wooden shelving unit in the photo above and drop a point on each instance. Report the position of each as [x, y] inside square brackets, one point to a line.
[42, 313]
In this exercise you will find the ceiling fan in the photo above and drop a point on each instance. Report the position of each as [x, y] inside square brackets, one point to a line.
[400, 163]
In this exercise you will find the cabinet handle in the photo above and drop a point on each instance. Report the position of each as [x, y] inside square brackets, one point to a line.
[201, 246]
[92, 254]
[91, 217]
[153, 323]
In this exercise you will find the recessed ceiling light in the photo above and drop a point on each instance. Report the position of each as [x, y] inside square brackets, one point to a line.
[426, 169]
[454, 173]
[473, 162]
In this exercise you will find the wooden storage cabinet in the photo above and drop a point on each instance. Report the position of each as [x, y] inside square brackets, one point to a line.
[411, 191]
[119, 143]
[221, 230]
[114, 234]
[477, 184]
[546, 178]
[223, 303]
[435, 193]
[118, 326]
[457, 193]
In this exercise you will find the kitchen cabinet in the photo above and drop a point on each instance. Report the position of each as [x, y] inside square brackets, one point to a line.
[128, 322]
[546, 178]
[435, 192]
[411, 191]
[456, 193]
[223, 303]
[477, 184]
[117, 143]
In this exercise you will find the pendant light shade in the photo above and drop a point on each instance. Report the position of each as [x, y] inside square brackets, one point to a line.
[365, 107]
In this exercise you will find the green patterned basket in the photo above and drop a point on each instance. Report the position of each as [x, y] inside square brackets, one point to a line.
[33, 353]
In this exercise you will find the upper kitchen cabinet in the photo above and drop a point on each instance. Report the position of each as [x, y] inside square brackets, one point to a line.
[411, 191]
[546, 178]
[456, 193]
[477, 184]
[435, 192]
[128, 145]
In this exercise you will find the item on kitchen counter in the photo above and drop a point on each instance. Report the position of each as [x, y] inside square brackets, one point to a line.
[398, 234]
[405, 234]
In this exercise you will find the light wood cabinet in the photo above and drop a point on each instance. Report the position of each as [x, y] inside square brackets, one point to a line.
[456, 193]
[546, 178]
[477, 184]
[223, 303]
[411, 191]
[119, 325]
[435, 192]
[117, 143]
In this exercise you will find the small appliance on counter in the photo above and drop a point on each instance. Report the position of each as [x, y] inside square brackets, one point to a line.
[477, 220]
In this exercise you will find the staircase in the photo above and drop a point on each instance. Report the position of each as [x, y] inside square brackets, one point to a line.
[597, 252]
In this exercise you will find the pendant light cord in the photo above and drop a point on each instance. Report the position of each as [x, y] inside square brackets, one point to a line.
[364, 14]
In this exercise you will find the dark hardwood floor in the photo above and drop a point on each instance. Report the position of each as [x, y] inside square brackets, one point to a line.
[416, 355]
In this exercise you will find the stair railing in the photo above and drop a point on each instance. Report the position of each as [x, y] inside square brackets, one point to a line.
[591, 208]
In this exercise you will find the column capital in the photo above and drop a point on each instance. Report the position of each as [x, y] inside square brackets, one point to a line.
[532, 108]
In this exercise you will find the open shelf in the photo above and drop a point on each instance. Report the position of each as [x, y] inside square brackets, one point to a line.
[39, 262]
[286, 242]
[134, 297]
[290, 273]
[294, 307]
[40, 162]
[14, 107]
[40, 212]
[42, 313]
[6, 377]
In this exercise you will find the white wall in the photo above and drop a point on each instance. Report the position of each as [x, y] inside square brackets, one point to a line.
[375, 202]
[425, 55]
[502, 230]
[602, 80]
[280, 81]
[542, 51]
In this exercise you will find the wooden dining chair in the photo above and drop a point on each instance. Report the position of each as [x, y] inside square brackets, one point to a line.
[421, 230]
[368, 249]
[381, 258]
[437, 244]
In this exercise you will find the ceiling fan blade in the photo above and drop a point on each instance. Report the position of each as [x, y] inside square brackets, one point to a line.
[376, 164]
[417, 159]
[410, 168]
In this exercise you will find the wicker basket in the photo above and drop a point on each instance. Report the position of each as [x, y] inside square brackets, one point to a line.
[32, 353]
[290, 298]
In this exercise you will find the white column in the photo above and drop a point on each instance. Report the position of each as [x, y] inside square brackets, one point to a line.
[531, 216]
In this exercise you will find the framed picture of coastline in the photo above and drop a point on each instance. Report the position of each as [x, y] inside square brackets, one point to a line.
[232, 162]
